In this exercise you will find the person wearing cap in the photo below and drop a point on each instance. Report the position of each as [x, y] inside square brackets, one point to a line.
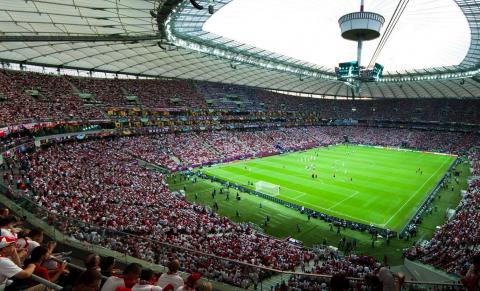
[10, 262]
[171, 277]
[191, 283]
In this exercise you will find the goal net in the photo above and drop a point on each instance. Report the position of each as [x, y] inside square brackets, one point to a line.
[267, 188]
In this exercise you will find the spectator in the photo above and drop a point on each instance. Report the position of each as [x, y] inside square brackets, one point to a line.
[339, 282]
[387, 279]
[7, 226]
[33, 239]
[191, 283]
[205, 286]
[128, 280]
[107, 264]
[10, 261]
[89, 280]
[38, 256]
[4, 212]
[172, 276]
[92, 262]
[29, 242]
[471, 281]
[147, 281]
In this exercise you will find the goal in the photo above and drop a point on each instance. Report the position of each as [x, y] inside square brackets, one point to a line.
[267, 188]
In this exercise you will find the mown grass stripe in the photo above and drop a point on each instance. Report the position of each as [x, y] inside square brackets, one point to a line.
[388, 184]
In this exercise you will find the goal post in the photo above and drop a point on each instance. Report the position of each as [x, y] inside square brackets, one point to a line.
[267, 188]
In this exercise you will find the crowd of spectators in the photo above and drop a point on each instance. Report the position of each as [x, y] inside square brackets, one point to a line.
[95, 184]
[28, 97]
[98, 182]
[50, 98]
[165, 94]
[458, 239]
[352, 266]
[24, 253]
[184, 150]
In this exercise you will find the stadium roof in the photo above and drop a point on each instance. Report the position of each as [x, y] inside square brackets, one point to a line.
[123, 36]
[308, 30]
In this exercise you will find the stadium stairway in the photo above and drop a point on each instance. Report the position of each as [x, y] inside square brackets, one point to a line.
[404, 270]
[276, 280]
[42, 98]
[423, 272]
[175, 159]
[136, 102]
[94, 102]
[150, 165]
[212, 149]
[74, 88]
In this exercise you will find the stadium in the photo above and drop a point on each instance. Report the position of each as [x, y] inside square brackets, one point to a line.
[239, 145]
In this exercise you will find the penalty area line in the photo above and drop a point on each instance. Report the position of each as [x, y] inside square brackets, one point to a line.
[343, 200]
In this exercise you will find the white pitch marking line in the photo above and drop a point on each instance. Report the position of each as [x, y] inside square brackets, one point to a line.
[343, 200]
[296, 197]
[340, 213]
[395, 214]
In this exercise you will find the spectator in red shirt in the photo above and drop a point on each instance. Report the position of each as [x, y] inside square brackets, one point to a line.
[38, 256]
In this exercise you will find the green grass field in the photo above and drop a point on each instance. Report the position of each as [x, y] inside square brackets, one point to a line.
[371, 185]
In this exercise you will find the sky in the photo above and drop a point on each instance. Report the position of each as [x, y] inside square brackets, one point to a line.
[430, 33]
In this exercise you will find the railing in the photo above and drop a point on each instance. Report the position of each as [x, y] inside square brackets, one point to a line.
[362, 15]
[46, 283]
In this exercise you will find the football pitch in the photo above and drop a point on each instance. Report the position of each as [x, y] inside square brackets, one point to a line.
[370, 185]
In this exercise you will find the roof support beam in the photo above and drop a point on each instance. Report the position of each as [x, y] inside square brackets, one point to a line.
[78, 38]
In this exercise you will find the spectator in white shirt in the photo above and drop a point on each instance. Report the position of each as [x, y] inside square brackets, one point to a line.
[32, 240]
[10, 261]
[129, 279]
[6, 226]
[172, 276]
